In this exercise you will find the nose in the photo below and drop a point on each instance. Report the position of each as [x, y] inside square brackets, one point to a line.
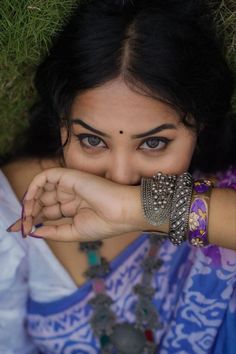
[121, 169]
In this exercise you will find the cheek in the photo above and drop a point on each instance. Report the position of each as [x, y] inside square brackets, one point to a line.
[72, 156]
[76, 159]
[179, 157]
[181, 163]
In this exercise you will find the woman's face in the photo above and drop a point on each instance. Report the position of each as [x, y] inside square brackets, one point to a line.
[123, 136]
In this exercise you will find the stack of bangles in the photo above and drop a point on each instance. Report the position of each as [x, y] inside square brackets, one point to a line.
[180, 201]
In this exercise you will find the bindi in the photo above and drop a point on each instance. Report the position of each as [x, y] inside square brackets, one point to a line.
[121, 132]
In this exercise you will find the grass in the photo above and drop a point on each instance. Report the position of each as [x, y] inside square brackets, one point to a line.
[26, 29]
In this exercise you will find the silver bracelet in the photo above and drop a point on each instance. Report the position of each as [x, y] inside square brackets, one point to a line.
[167, 199]
[180, 208]
[156, 197]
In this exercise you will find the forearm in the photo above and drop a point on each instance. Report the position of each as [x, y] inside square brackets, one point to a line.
[222, 217]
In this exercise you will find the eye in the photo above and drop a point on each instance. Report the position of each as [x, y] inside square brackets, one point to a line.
[90, 141]
[155, 143]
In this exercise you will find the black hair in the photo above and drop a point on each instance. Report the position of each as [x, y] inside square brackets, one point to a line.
[166, 49]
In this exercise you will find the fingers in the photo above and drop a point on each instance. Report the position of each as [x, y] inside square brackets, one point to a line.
[42, 214]
[30, 215]
[26, 227]
[64, 232]
[15, 227]
[58, 193]
[49, 187]
[35, 212]
[49, 180]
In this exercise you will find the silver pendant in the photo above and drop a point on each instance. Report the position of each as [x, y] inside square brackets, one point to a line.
[127, 339]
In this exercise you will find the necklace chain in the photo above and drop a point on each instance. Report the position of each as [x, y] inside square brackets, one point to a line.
[122, 338]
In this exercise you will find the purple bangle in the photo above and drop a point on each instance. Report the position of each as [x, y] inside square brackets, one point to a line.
[198, 217]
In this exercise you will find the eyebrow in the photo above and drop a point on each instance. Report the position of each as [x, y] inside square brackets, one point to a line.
[85, 125]
[136, 136]
[155, 130]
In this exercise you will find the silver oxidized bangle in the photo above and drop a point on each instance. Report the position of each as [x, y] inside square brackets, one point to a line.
[167, 199]
[156, 197]
[180, 209]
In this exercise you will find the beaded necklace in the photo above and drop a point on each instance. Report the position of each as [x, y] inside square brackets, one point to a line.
[123, 338]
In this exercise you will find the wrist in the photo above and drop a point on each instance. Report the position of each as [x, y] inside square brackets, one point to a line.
[135, 216]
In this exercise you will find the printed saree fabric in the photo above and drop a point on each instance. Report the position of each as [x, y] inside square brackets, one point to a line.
[43, 311]
[195, 298]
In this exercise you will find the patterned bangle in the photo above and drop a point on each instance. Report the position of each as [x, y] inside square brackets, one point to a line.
[180, 208]
[156, 197]
[198, 217]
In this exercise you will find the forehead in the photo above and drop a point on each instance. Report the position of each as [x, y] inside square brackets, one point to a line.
[114, 103]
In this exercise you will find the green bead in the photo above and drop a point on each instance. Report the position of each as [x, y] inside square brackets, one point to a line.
[104, 340]
[93, 258]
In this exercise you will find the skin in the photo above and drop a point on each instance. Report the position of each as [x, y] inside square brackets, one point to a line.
[119, 112]
[107, 171]
[113, 108]
[114, 152]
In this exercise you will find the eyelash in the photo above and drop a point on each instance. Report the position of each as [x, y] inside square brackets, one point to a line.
[166, 141]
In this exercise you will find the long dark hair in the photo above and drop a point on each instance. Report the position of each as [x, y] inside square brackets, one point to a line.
[164, 48]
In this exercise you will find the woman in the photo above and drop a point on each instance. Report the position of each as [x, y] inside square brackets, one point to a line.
[126, 91]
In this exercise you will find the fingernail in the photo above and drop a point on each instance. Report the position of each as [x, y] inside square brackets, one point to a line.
[35, 227]
[22, 225]
[32, 234]
[10, 227]
[22, 200]
[23, 231]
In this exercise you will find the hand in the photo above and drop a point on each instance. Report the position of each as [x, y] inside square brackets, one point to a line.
[78, 206]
